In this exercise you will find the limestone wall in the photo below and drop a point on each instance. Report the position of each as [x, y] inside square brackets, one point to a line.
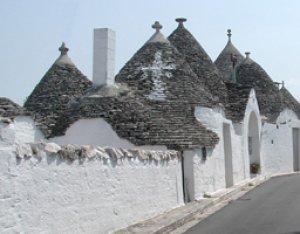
[96, 132]
[248, 125]
[276, 149]
[46, 188]
[21, 129]
[277, 144]
[209, 174]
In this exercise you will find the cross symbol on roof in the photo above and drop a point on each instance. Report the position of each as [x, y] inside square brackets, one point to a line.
[154, 72]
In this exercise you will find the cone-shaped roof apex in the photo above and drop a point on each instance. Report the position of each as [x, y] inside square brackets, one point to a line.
[51, 96]
[228, 59]
[199, 60]
[157, 36]
[64, 58]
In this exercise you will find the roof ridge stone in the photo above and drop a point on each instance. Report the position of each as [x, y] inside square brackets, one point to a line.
[228, 59]
[157, 36]
[62, 83]
[64, 58]
[199, 61]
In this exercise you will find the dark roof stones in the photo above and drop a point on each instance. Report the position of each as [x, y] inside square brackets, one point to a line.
[208, 75]
[62, 83]
[159, 72]
[288, 101]
[10, 109]
[157, 105]
[143, 122]
[238, 96]
[249, 73]
[228, 59]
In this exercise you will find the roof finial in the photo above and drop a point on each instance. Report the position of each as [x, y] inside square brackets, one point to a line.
[229, 34]
[180, 21]
[247, 55]
[63, 49]
[157, 26]
[282, 84]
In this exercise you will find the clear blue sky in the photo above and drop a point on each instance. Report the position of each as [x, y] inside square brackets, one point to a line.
[32, 31]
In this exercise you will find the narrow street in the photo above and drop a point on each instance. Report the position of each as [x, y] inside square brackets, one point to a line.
[271, 208]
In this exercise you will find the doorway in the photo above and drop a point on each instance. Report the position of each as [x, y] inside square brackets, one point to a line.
[296, 150]
[228, 155]
[188, 176]
[253, 143]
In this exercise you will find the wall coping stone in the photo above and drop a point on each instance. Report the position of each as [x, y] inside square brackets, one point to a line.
[72, 152]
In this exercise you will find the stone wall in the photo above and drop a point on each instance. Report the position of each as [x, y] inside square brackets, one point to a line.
[276, 149]
[252, 109]
[209, 173]
[277, 143]
[96, 132]
[47, 188]
[21, 129]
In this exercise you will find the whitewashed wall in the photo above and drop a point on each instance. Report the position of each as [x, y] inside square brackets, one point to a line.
[251, 108]
[56, 193]
[209, 175]
[21, 129]
[97, 192]
[277, 143]
[276, 149]
[96, 132]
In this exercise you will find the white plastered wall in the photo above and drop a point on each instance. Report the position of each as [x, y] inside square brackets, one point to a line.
[209, 174]
[49, 194]
[96, 132]
[21, 129]
[277, 143]
[251, 109]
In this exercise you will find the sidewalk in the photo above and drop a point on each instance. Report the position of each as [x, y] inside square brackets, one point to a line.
[183, 217]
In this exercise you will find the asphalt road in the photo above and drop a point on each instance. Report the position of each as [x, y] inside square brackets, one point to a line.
[271, 208]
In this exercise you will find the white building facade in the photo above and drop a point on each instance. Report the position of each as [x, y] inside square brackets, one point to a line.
[166, 131]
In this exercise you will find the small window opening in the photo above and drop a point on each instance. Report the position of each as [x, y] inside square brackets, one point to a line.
[204, 154]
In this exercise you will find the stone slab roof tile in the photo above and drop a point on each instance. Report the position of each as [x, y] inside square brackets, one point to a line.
[251, 74]
[288, 101]
[238, 96]
[10, 109]
[157, 105]
[143, 122]
[229, 55]
[159, 72]
[199, 61]
[51, 97]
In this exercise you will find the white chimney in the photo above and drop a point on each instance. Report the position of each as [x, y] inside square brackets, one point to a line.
[104, 56]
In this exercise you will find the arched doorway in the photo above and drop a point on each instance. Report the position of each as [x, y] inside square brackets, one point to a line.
[253, 144]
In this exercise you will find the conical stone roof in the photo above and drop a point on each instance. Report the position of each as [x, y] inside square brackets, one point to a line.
[249, 73]
[157, 107]
[238, 96]
[198, 60]
[160, 73]
[62, 83]
[229, 58]
[288, 101]
[10, 109]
